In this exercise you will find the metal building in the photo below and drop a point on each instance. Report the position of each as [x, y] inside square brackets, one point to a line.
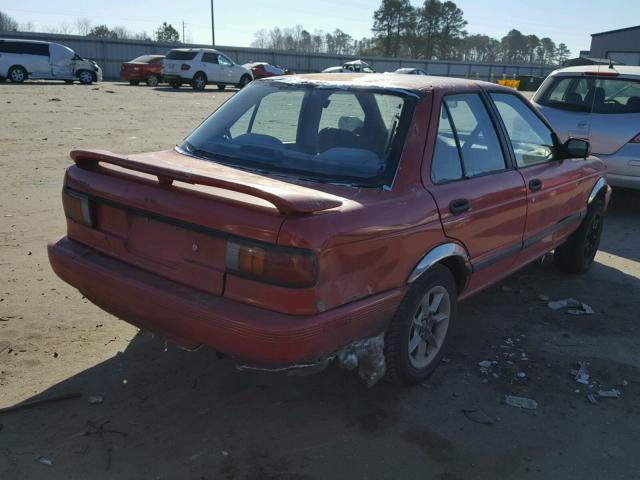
[621, 45]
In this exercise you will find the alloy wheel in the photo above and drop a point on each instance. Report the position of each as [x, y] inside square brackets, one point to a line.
[429, 327]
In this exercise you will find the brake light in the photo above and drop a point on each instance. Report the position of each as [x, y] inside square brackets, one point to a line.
[185, 66]
[284, 266]
[635, 139]
[602, 74]
[79, 208]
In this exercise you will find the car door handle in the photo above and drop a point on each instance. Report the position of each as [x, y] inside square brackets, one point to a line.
[459, 206]
[535, 185]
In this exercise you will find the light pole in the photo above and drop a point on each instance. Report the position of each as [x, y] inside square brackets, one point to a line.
[213, 27]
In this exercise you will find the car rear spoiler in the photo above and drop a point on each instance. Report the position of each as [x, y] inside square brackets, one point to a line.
[288, 198]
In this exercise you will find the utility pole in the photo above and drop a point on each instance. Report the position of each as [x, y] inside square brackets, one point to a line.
[213, 27]
[183, 41]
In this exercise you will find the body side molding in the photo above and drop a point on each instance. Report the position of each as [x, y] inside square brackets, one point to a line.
[437, 254]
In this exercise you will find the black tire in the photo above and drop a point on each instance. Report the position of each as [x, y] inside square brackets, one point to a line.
[577, 253]
[69, 82]
[403, 363]
[134, 83]
[17, 74]
[199, 81]
[175, 85]
[153, 80]
[244, 81]
[85, 77]
[221, 86]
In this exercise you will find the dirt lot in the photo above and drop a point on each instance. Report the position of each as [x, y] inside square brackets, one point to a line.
[169, 414]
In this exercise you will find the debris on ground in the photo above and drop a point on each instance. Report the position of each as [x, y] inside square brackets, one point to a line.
[55, 99]
[611, 393]
[582, 374]
[543, 298]
[573, 306]
[520, 402]
[592, 399]
[478, 416]
[43, 401]
[45, 461]
[96, 399]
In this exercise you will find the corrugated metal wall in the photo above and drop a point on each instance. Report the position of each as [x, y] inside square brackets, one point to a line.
[111, 53]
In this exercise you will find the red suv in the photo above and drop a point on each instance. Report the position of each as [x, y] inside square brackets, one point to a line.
[330, 216]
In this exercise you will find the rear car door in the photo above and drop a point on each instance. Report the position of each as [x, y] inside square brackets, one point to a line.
[556, 189]
[212, 68]
[481, 198]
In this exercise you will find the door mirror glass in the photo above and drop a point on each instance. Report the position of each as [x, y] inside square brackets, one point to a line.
[576, 148]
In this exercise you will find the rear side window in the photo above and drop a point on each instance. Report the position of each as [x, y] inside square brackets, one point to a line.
[25, 48]
[209, 57]
[182, 55]
[593, 94]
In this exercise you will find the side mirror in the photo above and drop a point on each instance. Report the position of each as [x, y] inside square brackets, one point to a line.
[576, 148]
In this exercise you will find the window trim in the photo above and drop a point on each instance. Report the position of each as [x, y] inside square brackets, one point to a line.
[506, 149]
[554, 135]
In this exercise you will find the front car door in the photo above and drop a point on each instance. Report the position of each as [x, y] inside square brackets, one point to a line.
[62, 62]
[228, 69]
[556, 189]
[480, 196]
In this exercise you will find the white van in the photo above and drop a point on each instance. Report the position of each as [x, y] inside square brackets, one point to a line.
[200, 66]
[22, 59]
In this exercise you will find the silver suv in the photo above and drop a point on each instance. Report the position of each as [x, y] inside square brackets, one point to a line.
[601, 104]
[200, 66]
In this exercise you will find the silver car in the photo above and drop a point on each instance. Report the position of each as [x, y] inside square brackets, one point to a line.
[599, 103]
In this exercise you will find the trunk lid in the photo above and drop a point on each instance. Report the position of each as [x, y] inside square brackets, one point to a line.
[172, 215]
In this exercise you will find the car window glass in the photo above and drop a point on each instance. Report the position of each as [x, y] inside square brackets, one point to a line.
[209, 57]
[342, 104]
[446, 165]
[531, 139]
[594, 94]
[224, 61]
[273, 109]
[479, 145]
[182, 54]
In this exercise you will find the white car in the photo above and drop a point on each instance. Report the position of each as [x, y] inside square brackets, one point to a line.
[601, 104]
[355, 66]
[200, 66]
[30, 59]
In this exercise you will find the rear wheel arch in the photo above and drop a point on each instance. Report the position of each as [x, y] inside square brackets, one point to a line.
[451, 255]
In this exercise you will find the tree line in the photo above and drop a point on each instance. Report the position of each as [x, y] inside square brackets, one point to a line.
[84, 27]
[435, 30]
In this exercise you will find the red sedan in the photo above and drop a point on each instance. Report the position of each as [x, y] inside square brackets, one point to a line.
[266, 70]
[147, 68]
[330, 216]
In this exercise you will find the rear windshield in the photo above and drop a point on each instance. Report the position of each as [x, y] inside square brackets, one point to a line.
[182, 55]
[321, 133]
[145, 58]
[593, 94]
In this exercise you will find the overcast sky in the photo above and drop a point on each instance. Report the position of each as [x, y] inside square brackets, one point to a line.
[568, 21]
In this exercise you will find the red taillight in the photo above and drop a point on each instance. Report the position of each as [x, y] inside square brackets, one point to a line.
[635, 139]
[602, 74]
[79, 208]
[284, 266]
[185, 66]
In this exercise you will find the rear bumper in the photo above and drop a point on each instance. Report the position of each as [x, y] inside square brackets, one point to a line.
[254, 336]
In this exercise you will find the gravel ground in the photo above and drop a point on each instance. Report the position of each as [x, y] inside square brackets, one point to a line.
[171, 414]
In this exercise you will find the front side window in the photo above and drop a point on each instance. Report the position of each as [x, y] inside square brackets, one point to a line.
[222, 60]
[593, 94]
[320, 133]
[531, 139]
